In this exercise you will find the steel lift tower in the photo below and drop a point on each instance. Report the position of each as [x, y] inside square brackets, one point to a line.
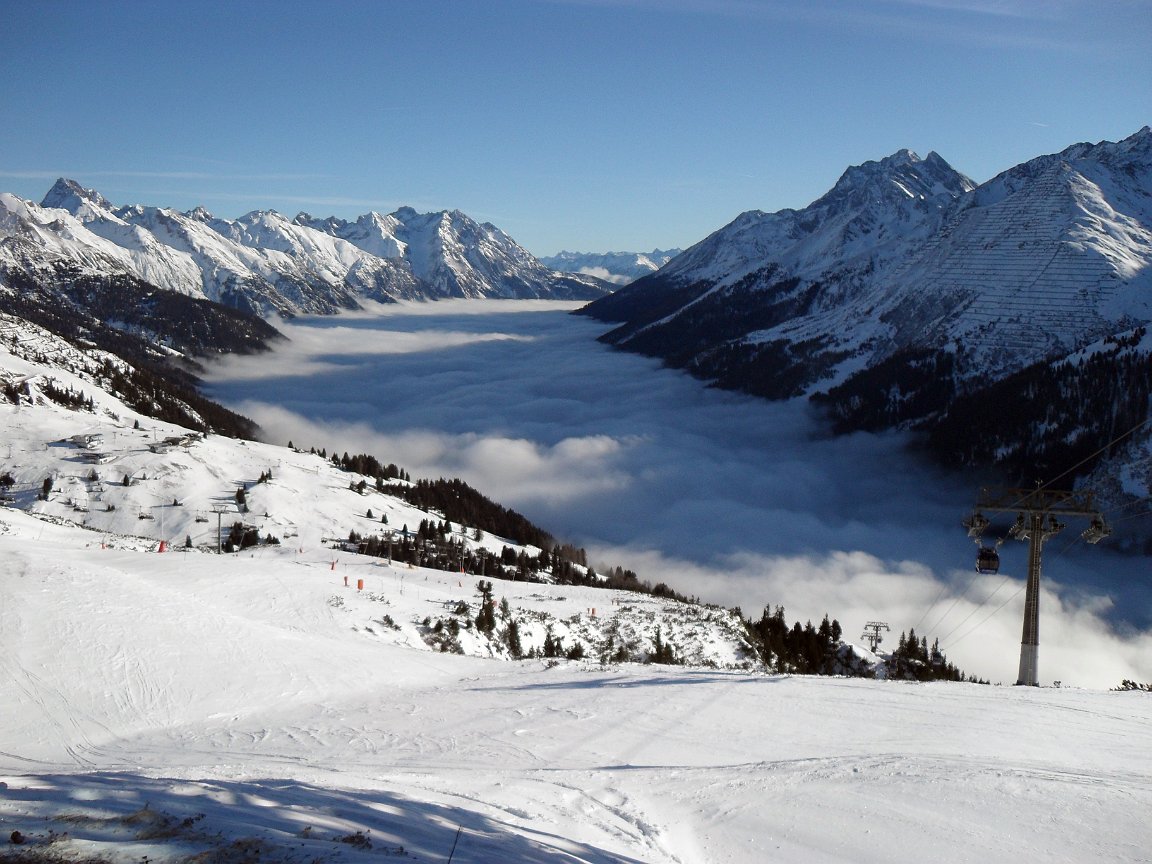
[1036, 521]
[872, 635]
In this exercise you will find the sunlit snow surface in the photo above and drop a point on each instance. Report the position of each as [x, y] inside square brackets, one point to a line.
[737, 500]
[172, 705]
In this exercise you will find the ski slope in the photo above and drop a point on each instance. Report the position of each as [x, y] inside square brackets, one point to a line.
[145, 689]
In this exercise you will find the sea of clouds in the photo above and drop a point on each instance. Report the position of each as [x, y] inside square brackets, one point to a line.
[732, 499]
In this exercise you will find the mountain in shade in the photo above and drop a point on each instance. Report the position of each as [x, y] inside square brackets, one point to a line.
[908, 296]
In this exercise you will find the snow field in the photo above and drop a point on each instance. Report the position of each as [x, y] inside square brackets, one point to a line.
[259, 691]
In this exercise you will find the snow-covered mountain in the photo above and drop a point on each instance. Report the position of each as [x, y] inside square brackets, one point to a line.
[620, 268]
[906, 285]
[265, 263]
[451, 255]
[797, 261]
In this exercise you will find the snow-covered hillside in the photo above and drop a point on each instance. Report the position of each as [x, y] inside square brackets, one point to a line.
[266, 263]
[620, 268]
[124, 480]
[189, 707]
[291, 702]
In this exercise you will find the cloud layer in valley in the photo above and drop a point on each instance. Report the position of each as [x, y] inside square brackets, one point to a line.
[732, 499]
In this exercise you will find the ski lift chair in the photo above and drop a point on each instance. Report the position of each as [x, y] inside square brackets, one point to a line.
[987, 561]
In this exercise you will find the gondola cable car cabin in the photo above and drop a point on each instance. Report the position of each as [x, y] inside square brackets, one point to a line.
[987, 561]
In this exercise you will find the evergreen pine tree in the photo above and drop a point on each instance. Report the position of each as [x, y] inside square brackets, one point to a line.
[486, 617]
[512, 640]
[662, 652]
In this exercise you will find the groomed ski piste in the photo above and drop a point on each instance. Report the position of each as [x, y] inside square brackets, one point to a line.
[282, 703]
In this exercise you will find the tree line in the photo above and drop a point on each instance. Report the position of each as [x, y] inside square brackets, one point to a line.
[821, 650]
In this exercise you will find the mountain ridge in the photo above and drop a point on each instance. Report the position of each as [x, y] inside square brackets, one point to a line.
[617, 267]
[267, 264]
[903, 265]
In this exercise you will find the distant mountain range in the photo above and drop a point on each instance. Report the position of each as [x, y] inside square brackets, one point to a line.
[1007, 321]
[156, 288]
[908, 296]
[264, 263]
[619, 268]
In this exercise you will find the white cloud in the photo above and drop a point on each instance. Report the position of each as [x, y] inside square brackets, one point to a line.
[733, 499]
[977, 629]
[605, 274]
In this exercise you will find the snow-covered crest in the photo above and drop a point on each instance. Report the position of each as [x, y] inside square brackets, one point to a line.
[266, 263]
[906, 254]
[617, 267]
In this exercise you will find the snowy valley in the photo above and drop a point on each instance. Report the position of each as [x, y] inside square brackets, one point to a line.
[221, 649]
[297, 701]
[284, 703]
[75, 455]
[802, 516]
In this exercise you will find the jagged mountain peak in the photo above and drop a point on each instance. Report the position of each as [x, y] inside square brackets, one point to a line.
[374, 221]
[903, 174]
[69, 195]
[409, 216]
[876, 202]
[371, 232]
[1138, 143]
[264, 217]
[936, 161]
[1139, 140]
[1124, 167]
[1131, 155]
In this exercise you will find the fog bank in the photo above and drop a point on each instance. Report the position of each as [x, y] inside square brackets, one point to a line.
[732, 499]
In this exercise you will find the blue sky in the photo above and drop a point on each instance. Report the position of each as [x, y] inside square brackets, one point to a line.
[591, 125]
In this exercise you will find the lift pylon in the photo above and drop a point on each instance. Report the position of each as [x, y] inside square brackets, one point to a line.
[872, 635]
[1036, 521]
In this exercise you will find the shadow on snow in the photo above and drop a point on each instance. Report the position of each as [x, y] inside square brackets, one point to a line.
[85, 816]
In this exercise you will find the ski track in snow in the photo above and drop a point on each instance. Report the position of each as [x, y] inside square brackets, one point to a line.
[220, 703]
